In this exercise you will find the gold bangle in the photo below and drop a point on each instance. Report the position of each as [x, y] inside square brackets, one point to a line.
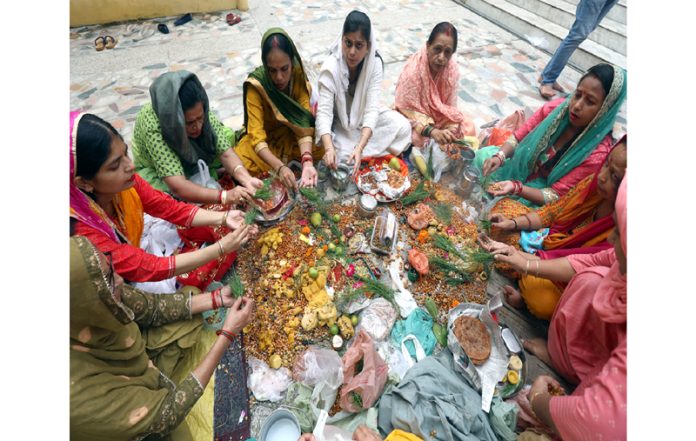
[234, 170]
[223, 197]
[531, 403]
[224, 218]
[526, 270]
[222, 251]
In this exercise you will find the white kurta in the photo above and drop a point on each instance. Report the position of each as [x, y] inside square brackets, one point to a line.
[344, 118]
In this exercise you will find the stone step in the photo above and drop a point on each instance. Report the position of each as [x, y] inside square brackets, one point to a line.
[617, 13]
[541, 32]
[609, 33]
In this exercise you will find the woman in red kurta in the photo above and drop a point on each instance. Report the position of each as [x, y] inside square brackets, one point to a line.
[587, 344]
[108, 201]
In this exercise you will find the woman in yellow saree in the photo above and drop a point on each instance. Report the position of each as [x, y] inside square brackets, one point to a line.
[278, 124]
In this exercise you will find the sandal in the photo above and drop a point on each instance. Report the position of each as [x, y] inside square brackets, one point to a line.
[233, 19]
[183, 19]
[110, 42]
[99, 44]
[163, 28]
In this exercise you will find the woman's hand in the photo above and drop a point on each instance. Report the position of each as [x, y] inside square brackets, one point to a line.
[253, 184]
[306, 437]
[545, 384]
[239, 314]
[287, 177]
[510, 255]
[443, 137]
[226, 296]
[355, 157]
[500, 221]
[330, 157]
[236, 239]
[492, 164]
[239, 194]
[364, 433]
[309, 175]
[503, 188]
[234, 219]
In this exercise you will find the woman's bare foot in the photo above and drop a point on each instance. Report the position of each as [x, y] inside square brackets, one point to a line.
[513, 297]
[537, 346]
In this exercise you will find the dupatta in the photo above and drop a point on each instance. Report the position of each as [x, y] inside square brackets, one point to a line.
[425, 99]
[286, 110]
[527, 153]
[164, 94]
[83, 208]
[334, 76]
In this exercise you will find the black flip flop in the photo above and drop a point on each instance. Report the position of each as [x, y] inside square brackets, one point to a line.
[183, 19]
[163, 28]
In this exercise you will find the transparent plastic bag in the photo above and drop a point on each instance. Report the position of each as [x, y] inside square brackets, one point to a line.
[265, 383]
[377, 319]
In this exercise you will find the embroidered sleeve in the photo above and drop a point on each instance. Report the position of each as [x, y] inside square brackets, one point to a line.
[176, 406]
[153, 310]
[549, 195]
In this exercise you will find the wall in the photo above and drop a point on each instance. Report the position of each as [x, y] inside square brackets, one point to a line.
[86, 12]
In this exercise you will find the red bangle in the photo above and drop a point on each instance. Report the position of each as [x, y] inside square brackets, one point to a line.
[229, 335]
[212, 296]
[220, 197]
[307, 159]
[518, 187]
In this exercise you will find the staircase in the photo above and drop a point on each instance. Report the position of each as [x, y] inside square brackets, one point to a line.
[544, 23]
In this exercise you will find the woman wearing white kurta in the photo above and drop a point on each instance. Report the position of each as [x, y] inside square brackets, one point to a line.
[350, 122]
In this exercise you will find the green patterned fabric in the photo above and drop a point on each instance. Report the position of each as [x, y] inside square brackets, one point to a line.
[154, 159]
[120, 379]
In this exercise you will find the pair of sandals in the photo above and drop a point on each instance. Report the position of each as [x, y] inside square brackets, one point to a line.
[105, 42]
[233, 19]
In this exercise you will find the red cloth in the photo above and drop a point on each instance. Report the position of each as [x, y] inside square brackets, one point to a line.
[131, 262]
[592, 163]
[587, 344]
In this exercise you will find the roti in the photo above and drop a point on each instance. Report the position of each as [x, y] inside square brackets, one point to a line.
[473, 337]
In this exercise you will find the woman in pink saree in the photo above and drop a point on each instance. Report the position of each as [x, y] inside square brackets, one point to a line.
[587, 345]
[426, 93]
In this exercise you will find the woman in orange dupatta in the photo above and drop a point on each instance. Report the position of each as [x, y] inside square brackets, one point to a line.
[579, 223]
[426, 93]
[108, 201]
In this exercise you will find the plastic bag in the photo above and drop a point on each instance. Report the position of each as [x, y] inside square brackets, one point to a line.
[377, 319]
[265, 383]
[362, 385]
[323, 432]
[321, 368]
[498, 133]
[440, 159]
[203, 177]
[419, 324]
[398, 364]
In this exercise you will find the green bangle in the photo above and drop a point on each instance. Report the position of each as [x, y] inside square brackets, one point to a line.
[427, 130]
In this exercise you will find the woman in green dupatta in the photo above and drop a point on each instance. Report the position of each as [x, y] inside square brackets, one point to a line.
[279, 126]
[133, 355]
[564, 142]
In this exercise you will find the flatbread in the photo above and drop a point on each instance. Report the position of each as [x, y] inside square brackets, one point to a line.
[473, 337]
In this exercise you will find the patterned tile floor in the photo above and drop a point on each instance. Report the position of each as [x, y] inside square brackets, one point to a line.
[498, 71]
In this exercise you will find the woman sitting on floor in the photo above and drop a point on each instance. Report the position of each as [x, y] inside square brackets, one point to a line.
[578, 223]
[175, 131]
[277, 117]
[426, 92]
[108, 201]
[351, 122]
[140, 362]
[563, 142]
[586, 340]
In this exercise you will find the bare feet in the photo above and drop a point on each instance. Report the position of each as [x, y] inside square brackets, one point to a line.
[546, 91]
[555, 85]
[537, 346]
[513, 297]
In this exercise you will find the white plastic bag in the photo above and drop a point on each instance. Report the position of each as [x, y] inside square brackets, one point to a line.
[265, 383]
[420, 353]
[377, 319]
[203, 177]
[398, 364]
[440, 160]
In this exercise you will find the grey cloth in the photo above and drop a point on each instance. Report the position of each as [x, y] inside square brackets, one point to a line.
[164, 93]
[434, 402]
